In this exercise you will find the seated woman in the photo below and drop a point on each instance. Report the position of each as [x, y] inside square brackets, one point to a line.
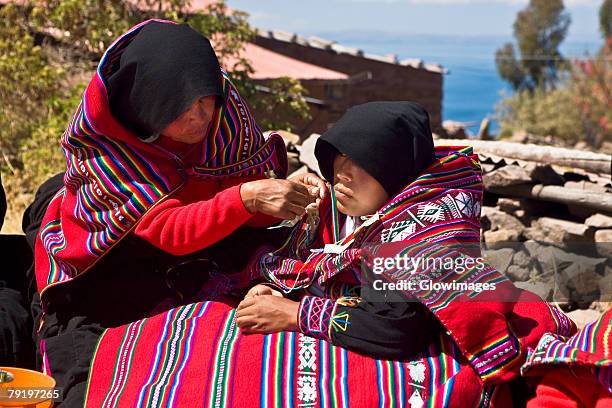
[455, 347]
[166, 172]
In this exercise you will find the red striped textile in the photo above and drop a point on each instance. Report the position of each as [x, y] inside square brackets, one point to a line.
[195, 355]
[590, 348]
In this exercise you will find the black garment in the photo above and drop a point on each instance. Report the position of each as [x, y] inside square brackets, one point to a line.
[392, 330]
[392, 141]
[161, 72]
[16, 346]
[33, 215]
[2, 203]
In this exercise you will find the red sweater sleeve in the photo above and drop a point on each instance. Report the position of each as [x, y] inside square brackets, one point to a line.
[186, 223]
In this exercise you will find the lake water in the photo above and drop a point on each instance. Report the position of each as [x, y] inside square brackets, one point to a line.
[472, 87]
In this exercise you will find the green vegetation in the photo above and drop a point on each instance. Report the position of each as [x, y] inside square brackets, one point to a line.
[569, 100]
[539, 29]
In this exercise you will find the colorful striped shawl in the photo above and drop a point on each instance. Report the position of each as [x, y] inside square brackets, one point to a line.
[195, 356]
[591, 347]
[113, 178]
[435, 216]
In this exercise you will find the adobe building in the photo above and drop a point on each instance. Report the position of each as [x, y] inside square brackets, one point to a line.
[366, 77]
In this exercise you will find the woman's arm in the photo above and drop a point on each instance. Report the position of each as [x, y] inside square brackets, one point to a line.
[392, 330]
[181, 226]
[204, 212]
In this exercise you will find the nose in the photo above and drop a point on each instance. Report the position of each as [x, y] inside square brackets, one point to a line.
[343, 174]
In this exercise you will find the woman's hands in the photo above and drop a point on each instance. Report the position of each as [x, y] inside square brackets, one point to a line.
[276, 197]
[265, 310]
[316, 186]
[260, 290]
[284, 199]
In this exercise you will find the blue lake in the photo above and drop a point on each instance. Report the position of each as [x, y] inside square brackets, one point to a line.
[472, 87]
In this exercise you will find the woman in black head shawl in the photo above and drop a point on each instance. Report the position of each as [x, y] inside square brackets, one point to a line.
[374, 151]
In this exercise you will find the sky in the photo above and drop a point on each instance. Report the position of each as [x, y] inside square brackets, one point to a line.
[446, 17]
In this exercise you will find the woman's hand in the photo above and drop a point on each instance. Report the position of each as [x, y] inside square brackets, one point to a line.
[267, 314]
[316, 185]
[260, 290]
[276, 197]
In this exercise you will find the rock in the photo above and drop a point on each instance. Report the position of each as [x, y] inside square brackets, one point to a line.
[289, 138]
[603, 242]
[583, 316]
[519, 136]
[543, 290]
[487, 167]
[521, 258]
[518, 273]
[501, 226]
[499, 220]
[506, 176]
[558, 231]
[500, 259]
[599, 221]
[581, 281]
[601, 307]
[585, 185]
[498, 236]
[606, 147]
[307, 156]
[603, 235]
[521, 215]
[552, 260]
[508, 205]
[581, 145]
[293, 162]
[454, 130]
[483, 132]
[605, 286]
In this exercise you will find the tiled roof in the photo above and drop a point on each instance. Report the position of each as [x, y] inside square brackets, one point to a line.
[268, 65]
[324, 44]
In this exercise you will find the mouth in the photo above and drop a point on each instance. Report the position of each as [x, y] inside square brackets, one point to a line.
[342, 195]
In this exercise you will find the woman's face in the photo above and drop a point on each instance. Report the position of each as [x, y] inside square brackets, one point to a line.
[357, 193]
[192, 126]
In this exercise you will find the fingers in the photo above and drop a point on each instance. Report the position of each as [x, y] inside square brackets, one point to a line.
[245, 304]
[262, 290]
[343, 189]
[317, 186]
[317, 183]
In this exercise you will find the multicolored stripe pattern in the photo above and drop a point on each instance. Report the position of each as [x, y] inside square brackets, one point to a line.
[442, 205]
[195, 355]
[113, 178]
[591, 347]
[437, 216]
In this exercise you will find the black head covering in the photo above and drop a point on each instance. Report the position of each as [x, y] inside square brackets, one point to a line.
[163, 70]
[392, 141]
[2, 203]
